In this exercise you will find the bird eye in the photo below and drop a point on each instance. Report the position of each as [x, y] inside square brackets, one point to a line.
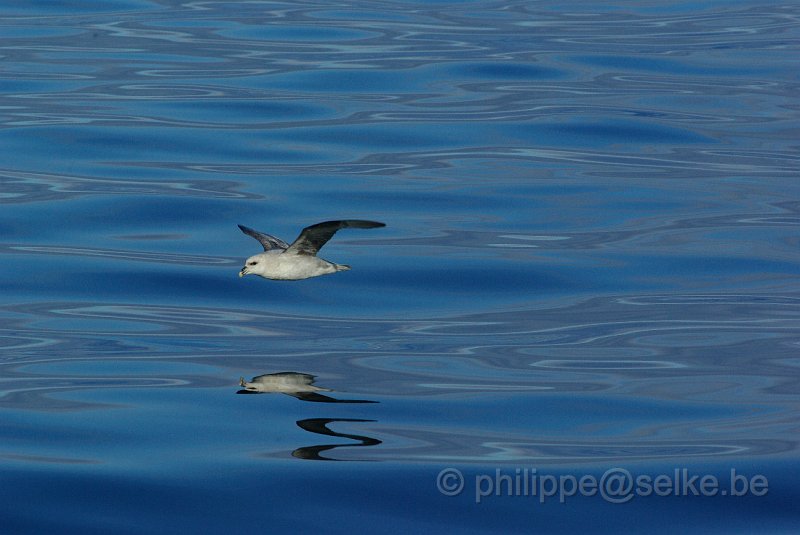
[252, 263]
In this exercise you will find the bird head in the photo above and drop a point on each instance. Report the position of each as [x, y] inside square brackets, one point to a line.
[251, 265]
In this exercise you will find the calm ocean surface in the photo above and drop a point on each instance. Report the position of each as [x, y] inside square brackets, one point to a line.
[590, 267]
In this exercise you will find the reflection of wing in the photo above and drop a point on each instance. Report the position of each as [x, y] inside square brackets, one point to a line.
[314, 237]
[319, 398]
[320, 427]
[269, 242]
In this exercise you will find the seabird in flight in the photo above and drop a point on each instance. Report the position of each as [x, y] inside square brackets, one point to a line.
[281, 261]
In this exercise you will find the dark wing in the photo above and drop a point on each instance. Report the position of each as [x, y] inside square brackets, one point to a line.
[269, 242]
[314, 237]
[320, 398]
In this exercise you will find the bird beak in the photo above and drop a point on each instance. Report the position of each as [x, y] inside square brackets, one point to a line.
[243, 272]
[241, 381]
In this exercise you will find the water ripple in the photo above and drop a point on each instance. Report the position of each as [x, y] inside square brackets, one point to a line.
[26, 187]
[137, 256]
[417, 444]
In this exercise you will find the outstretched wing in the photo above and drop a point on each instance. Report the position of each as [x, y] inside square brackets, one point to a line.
[314, 237]
[269, 242]
[320, 398]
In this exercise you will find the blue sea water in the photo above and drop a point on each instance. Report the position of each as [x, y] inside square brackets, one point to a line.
[589, 272]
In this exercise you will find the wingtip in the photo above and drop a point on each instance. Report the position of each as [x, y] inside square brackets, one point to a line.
[364, 223]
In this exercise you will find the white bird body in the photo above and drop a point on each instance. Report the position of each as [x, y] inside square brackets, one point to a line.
[281, 261]
[278, 265]
[284, 383]
[297, 385]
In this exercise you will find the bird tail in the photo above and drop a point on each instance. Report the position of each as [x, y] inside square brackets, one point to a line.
[342, 267]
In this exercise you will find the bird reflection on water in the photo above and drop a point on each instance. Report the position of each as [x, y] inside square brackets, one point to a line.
[297, 385]
[301, 386]
[320, 427]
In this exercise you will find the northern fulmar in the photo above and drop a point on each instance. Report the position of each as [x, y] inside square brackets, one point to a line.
[281, 261]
